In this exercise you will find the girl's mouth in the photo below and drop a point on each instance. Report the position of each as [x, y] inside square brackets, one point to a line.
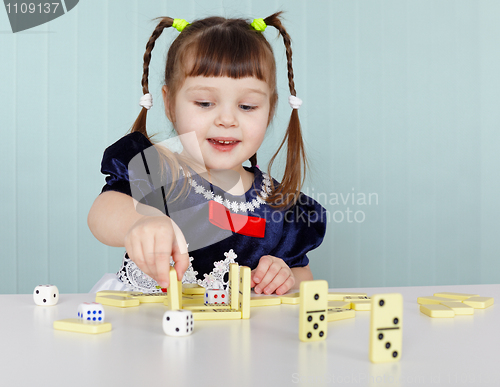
[223, 145]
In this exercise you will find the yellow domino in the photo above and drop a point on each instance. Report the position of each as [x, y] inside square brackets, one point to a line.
[118, 301]
[174, 291]
[148, 298]
[115, 293]
[234, 285]
[479, 302]
[339, 296]
[194, 307]
[386, 328]
[291, 298]
[77, 325]
[313, 310]
[455, 296]
[335, 314]
[363, 305]
[339, 304]
[265, 301]
[193, 289]
[458, 307]
[216, 314]
[437, 310]
[190, 300]
[244, 291]
[431, 300]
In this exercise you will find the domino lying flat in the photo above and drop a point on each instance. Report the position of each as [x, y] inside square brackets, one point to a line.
[336, 314]
[79, 326]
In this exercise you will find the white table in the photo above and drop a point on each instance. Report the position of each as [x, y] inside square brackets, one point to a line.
[262, 351]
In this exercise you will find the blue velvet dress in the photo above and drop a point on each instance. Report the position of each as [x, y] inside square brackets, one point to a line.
[131, 166]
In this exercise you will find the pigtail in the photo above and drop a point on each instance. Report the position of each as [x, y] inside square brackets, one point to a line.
[140, 123]
[296, 161]
[176, 163]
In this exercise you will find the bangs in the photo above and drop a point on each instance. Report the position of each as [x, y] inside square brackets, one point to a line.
[218, 52]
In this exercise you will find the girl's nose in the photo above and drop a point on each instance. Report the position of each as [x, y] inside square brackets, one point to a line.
[226, 118]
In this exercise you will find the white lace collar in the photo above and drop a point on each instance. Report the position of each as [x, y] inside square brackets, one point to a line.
[234, 205]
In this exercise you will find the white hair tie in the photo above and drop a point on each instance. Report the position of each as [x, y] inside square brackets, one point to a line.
[294, 102]
[146, 101]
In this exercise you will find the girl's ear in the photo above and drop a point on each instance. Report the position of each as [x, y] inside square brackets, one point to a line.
[166, 100]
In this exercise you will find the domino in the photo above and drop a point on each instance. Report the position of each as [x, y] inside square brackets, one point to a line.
[265, 301]
[174, 291]
[431, 300]
[339, 296]
[386, 328]
[437, 310]
[77, 325]
[479, 302]
[339, 304]
[335, 314]
[193, 289]
[190, 300]
[233, 286]
[117, 301]
[313, 310]
[244, 292]
[359, 302]
[194, 307]
[455, 296]
[291, 299]
[149, 298]
[216, 314]
[458, 307]
[364, 305]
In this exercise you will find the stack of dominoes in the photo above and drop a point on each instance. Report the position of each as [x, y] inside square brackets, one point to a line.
[447, 304]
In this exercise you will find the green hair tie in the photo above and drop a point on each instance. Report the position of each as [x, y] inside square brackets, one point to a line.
[179, 24]
[259, 24]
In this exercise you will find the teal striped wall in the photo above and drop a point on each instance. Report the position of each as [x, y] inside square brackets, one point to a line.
[401, 118]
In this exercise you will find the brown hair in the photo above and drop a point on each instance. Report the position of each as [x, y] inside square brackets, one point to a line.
[216, 46]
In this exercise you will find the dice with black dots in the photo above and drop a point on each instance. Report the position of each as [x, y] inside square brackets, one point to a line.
[46, 295]
[91, 312]
[178, 322]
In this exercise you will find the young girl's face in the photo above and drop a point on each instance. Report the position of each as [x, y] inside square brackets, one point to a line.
[229, 117]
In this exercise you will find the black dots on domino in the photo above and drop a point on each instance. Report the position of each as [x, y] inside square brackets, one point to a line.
[395, 354]
[316, 296]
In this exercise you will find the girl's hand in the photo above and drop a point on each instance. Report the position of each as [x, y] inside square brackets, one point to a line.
[272, 274]
[151, 241]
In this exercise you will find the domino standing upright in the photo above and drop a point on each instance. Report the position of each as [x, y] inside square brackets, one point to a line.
[233, 286]
[174, 291]
[244, 292]
[386, 328]
[313, 310]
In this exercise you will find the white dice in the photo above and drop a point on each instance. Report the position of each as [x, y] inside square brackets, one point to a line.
[178, 322]
[216, 297]
[91, 312]
[46, 295]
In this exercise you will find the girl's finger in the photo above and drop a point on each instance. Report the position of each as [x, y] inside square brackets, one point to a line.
[272, 271]
[260, 271]
[278, 280]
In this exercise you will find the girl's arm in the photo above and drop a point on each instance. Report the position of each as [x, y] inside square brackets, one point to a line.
[149, 236]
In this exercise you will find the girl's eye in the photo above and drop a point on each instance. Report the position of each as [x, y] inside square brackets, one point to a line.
[204, 104]
[247, 108]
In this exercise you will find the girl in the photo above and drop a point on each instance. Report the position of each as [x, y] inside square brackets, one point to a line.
[201, 209]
